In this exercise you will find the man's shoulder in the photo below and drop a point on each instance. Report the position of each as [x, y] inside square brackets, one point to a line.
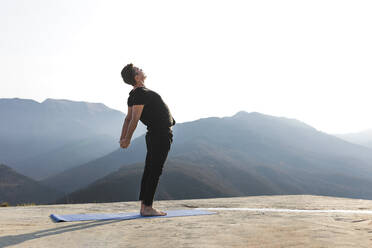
[140, 89]
[142, 92]
[135, 91]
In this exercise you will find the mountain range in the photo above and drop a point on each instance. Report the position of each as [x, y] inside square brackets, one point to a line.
[17, 189]
[75, 154]
[363, 138]
[247, 154]
[43, 139]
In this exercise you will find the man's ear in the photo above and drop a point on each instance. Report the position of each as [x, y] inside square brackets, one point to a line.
[136, 78]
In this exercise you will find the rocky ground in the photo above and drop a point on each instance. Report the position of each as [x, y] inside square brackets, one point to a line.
[30, 226]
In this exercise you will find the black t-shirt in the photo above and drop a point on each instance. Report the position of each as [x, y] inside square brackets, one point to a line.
[155, 114]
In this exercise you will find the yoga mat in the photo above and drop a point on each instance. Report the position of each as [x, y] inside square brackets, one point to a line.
[125, 216]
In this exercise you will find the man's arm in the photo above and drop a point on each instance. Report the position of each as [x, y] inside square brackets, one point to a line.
[136, 115]
[126, 123]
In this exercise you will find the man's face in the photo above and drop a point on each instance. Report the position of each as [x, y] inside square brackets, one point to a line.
[140, 76]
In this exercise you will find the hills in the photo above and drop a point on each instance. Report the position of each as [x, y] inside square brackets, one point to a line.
[42, 139]
[16, 188]
[245, 154]
[180, 180]
[363, 138]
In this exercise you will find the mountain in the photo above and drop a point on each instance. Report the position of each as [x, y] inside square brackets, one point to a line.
[42, 139]
[80, 176]
[185, 180]
[363, 138]
[16, 188]
[253, 152]
[124, 184]
[67, 156]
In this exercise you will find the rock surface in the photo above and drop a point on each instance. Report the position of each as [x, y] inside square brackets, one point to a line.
[30, 226]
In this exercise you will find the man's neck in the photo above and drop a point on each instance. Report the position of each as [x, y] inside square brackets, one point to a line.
[138, 85]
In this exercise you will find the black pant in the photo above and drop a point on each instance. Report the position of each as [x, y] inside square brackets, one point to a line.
[158, 145]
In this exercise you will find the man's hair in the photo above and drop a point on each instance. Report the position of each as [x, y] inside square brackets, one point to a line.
[128, 74]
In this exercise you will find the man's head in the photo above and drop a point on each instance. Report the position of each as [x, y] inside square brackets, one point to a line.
[132, 75]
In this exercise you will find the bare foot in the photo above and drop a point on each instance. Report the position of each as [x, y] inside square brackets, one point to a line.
[152, 212]
[142, 207]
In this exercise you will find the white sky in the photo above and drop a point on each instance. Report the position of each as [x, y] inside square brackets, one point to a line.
[308, 60]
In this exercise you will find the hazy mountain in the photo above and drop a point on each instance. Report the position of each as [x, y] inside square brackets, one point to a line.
[69, 155]
[186, 180]
[253, 152]
[363, 138]
[180, 180]
[40, 139]
[16, 188]
[80, 176]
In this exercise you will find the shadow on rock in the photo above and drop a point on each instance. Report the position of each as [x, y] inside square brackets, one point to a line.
[17, 239]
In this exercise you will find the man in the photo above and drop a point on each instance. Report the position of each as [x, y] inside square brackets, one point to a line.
[147, 105]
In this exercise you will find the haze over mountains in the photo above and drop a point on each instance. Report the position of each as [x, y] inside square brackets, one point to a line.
[16, 188]
[41, 139]
[180, 180]
[363, 138]
[245, 154]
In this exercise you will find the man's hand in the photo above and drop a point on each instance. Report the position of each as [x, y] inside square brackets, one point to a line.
[124, 143]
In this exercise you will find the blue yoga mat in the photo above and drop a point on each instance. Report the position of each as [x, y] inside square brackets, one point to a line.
[125, 216]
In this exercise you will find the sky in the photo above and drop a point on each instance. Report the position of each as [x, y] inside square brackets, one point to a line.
[306, 60]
